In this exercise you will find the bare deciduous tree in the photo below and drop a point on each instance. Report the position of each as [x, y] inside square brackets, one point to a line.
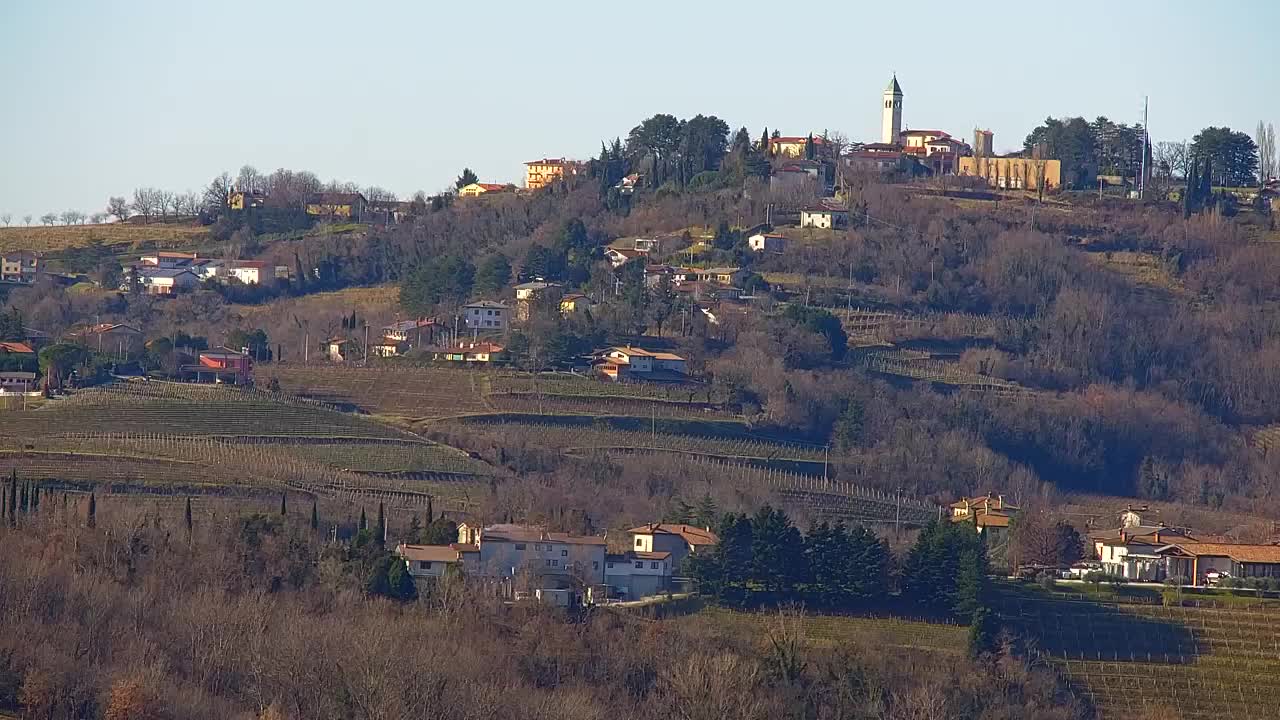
[164, 203]
[217, 195]
[144, 203]
[26, 220]
[48, 219]
[97, 218]
[1266, 142]
[6, 218]
[118, 207]
[250, 180]
[72, 217]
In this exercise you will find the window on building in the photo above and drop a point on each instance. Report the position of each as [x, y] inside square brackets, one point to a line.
[548, 563]
[595, 564]
[639, 542]
[519, 546]
[640, 565]
[424, 565]
[555, 563]
[607, 565]
[564, 553]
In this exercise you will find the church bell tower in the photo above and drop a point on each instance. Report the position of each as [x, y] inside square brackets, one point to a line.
[891, 112]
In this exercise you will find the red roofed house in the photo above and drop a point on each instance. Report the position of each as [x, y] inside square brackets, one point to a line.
[678, 539]
[221, 366]
[473, 352]
[19, 267]
[249, 272]
[477, 189]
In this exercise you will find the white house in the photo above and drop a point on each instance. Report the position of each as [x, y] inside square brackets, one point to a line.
[617, 258]
[1131, 551]
[767, 242]
[249, 272]
[678, 539]
[621, 363]
[552, 558]
[164, 281]
[486, 315]
[637, 574]
[168, 260]
[823, 216]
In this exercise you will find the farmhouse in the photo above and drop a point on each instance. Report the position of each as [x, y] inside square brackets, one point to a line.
[794, 146]
[106, 336]
[339, 350]
[530, 292]
[679, 540]
[991, 515]
[637, 574]
[477, 189]
[554, 558]
[1194, 560]
[168, 260]
[411, 331]
[1130, 551]
[164, 281]
[631, 363]
[335, 205]
[823, 215]
[486, 315]
[483, 352]
[617, 258]
[767, 243]
[249, 272]
[429, 561]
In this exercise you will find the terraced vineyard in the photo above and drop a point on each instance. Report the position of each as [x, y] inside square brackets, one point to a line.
[147, 436]
[589, 437]
[919, 366]
[1129, 658]
[402, 392]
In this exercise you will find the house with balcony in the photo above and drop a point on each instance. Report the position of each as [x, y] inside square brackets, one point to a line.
[638, 574]
[678, 539]
[632, 363]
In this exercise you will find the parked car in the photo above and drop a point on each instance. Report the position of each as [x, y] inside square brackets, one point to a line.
[1214, 577]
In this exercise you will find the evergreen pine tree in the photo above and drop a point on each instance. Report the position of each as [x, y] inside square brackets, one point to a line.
[380, 532]
[186, 516]
[415, 529]
[93, 510]
[764, 142]
[431, 515]
[315, 515]
[25, 499]
[284, 503]
[35, 497]
[364, 521]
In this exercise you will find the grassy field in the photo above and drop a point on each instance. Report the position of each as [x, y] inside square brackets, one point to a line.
[1140, 657]
[413, 393]
[376, 299]
[63, 237]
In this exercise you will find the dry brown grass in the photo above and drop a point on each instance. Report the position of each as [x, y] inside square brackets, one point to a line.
[368, 301]
[63, 237]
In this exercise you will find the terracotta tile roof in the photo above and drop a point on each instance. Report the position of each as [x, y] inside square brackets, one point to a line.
[428, 553]
[642, 555]
[16, 347]
[465, 548]
[926, 132]
[491, 187]
[548, 161]
[1239, 552]
[692, 534]
[529, 533]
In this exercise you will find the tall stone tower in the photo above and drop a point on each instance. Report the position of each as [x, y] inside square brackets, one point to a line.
[891, 125]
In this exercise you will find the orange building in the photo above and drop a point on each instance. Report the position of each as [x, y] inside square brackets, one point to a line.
[477, 189]
[541, 173]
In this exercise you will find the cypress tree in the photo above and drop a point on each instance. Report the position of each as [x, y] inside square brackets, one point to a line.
[381, 530]
[364, 521]
[93, 510]
[187, 516]
[35, 497]
[431, 515]
[284, 503]
[13, 497]
[315, 515]
[764, 142]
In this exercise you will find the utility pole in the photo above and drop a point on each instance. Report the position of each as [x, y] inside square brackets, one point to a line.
[897, 514]
[366, 349]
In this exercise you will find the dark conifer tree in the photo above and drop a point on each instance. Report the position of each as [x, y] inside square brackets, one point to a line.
[187, 517]
[315, 515]
[284, 503]
[380, 536]
[364, 520]
[93, 510]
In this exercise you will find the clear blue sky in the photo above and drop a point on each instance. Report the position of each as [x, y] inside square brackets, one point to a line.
[101, 97]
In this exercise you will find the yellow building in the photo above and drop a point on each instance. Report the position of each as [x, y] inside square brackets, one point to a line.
[240, 199]
[541, 173]
[348, 206]
[574, 303]
[794, 146]
[477, 189]
[1014, 173]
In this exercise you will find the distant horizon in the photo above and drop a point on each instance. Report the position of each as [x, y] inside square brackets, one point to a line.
[111, 98]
